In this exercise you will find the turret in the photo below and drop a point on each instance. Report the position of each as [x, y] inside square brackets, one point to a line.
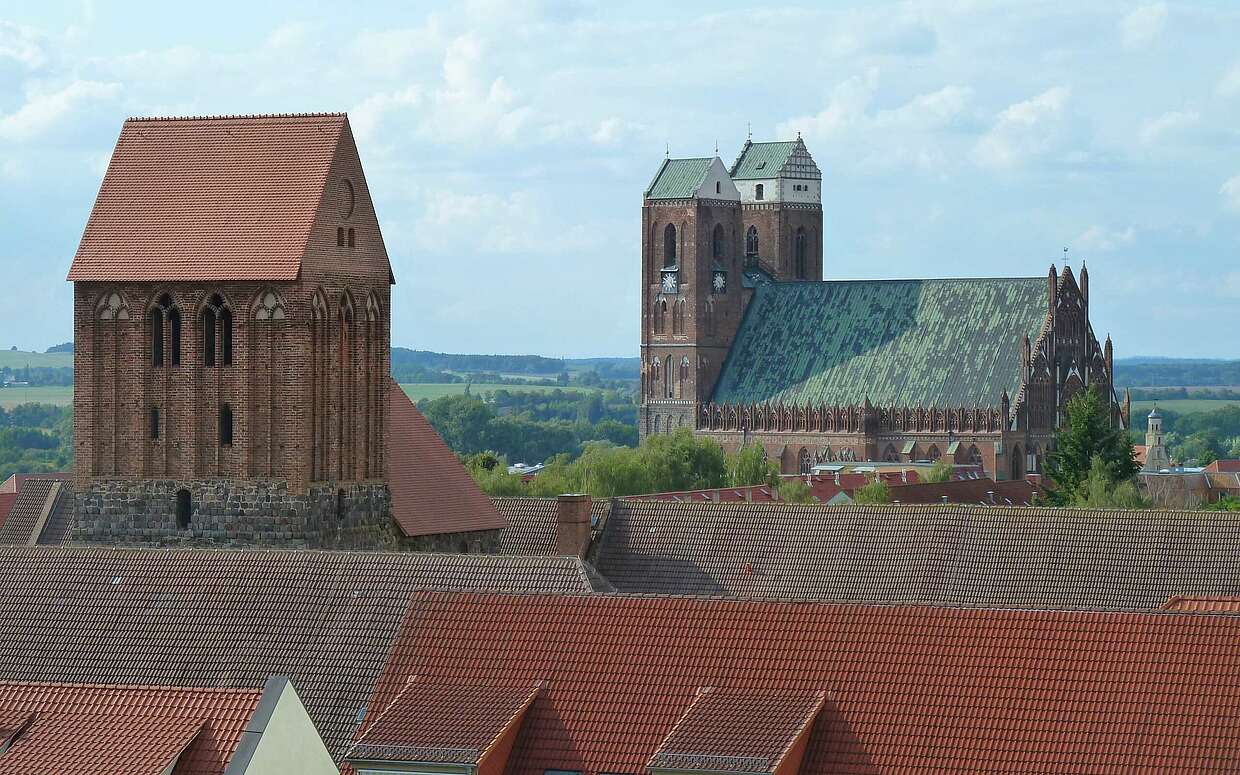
[1085, 284]
[1052, 286]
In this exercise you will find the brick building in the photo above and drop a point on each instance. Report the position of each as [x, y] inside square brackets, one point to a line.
[231, 321]
[742, 339]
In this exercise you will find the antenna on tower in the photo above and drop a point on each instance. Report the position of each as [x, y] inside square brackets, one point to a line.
[667, 151]
[749, 130]
[716, 146]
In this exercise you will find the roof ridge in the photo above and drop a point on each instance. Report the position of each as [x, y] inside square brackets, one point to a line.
[234, 117]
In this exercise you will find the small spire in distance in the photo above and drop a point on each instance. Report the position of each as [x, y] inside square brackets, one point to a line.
[749, 130]
[667, 151]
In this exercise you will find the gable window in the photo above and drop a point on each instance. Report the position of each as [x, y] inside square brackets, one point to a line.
[352, 238]
[340, 236]
[757, 192]
[718, 187]
[226, 425]
[751, 241]
[669, 247]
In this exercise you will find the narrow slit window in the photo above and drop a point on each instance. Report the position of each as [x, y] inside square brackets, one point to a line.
[154, 423]
[340, 236]
[352, 238]
[208, 336]
[157, 337]
[185, 507]
[226, 426]
[226, 336]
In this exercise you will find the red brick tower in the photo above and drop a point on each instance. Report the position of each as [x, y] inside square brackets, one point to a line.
[781, 206]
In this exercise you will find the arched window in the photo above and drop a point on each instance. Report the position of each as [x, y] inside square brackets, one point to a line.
[660, 316]
[933, 453]
[803, 461]
[751, 242]
[174, 336]
[975, 455]
[1018, 463]
[890, 455]
[801, 250]
[226, 425]
[216, 329]
[757, 192]
[318, 306]
[668, 382]
[185, 507]
[269, 307]
[684, 376]
[373, 312]
[657, 427]
[716, 242]
[669, 247]
[112, 307]
[157, 337]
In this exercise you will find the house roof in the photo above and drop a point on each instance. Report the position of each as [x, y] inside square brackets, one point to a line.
[731, 730]
[446, 723]
[910, 689]
[991, 556]
[432, 493]
[761, 160]
[209, 198]
[897, 342]
[40, 504]
[1224, 466]
[531, 524]
[1015, 492]
[678, 178]
[124, 730]
[232, 618]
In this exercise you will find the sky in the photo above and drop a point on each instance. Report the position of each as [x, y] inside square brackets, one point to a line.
[507, 144]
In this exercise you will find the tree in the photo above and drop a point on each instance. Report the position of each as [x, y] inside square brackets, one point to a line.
[941, 471]
[1088, 432]
[1098, 491]
[461, 420]
[795, 490]
[750, 466]
[1225, 503]
[874, 492]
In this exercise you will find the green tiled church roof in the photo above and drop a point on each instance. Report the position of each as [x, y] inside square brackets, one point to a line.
[678, 178]
[899, 342]
[761, 160]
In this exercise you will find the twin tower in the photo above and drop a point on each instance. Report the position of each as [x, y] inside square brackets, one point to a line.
[710, 235]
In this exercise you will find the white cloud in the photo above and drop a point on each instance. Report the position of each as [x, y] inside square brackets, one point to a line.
[369, 114]
[1155, 129]
[611, 132]
[1102, 239]
[1142, 25]
[42, 112]
[519, 222]
[1231, 193]
[20, 43]
[933, 110]
[846, 107]
[880, 33]
[1024, 129]
[1229, 84]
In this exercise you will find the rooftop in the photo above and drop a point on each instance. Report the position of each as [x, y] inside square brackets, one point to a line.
[908, 688]
[678, 178]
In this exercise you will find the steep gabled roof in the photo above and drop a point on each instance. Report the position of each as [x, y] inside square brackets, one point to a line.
[531, 524]
[432, 493]
[771, 160]
[678, 178]
[943, 343]
[988, 556]
[233, 618]
[211, 198]
[124, 730]
[38, 502]
[909, 689]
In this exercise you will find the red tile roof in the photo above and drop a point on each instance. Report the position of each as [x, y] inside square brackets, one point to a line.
[24, 522]
[211, 198]
[123, 730]
[1224, 466]
[738, 730]
[910, 688]
[449, 723]
[432, 493]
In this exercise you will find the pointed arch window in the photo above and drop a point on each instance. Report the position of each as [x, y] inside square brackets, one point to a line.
[933, 453]
[668, 383]
[669, 247]
[751, 242]
[801, 251]
[216, 332]
[684, 376]
[112, 307]
[270, 307]
[717, 246]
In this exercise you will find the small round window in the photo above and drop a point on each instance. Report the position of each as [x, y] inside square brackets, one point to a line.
[346, 197]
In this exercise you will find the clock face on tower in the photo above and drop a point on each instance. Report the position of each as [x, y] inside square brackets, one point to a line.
[720, 282]
[670, 282]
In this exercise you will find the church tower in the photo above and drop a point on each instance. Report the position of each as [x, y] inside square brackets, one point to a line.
[692, 243]
[781, 209]
[1156, 457]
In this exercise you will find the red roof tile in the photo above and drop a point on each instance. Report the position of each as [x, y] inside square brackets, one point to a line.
[737, 731]
[432, 493]
[910, 688]
[450, 723]
[1204, 604]
[123, 730]
[1224, 466]
[211, 198]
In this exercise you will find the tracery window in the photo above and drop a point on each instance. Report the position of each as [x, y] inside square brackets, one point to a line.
[216, 332]
[751, 242]
[270, 307]
[669, 247]
[112, 307]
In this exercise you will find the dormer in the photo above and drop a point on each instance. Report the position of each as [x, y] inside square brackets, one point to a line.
[692, 179]
[777, 172]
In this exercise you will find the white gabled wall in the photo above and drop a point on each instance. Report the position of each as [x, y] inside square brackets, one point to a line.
[287, 743]
[717, 184]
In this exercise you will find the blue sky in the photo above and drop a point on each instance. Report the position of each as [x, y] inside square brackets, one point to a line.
[507, 144]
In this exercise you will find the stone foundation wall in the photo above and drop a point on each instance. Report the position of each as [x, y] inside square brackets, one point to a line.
[226, 512]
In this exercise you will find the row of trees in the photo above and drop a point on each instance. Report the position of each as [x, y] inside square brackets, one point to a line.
[35, 438]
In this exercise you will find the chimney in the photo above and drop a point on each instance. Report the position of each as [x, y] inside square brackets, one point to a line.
[990, 496]
[572, 525]
[945, 499]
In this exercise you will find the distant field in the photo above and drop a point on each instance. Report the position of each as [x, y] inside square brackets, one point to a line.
[1183, 405]
[11, 397]
[419, 390]
[16, 359]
